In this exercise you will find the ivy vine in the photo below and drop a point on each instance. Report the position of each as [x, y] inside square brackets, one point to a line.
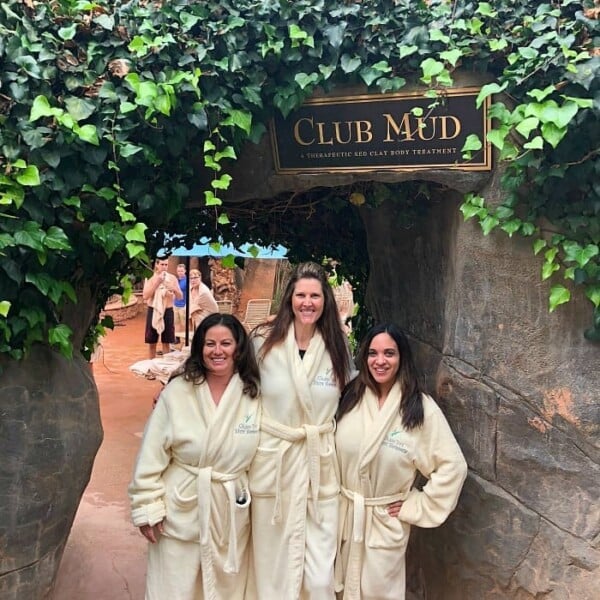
[108, 111]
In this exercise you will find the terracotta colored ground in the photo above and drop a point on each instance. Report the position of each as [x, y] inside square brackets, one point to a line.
[105, 557]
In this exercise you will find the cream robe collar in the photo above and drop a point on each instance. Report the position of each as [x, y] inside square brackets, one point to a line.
[381, 420]
[304, 370]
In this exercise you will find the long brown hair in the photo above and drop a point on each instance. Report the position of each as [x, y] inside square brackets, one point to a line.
[195, 370]
[329, 324]
[411, 405]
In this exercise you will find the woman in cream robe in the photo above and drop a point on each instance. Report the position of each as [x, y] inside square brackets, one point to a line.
[387, 431]
[304, 362]
[189, 493]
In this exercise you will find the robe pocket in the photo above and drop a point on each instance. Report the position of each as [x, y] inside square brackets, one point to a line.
[386, 531]
[262, 475]
[329, 481]
[184, 495]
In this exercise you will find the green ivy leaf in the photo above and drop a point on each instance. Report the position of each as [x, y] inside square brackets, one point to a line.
[56, 239]
[223, 219]
[487, 90]
[472, 143]
[488, 224]
[350, 63]
[435, 35]
[511, 227]
[61, 336]
[304, 80]
[87, 133]
[593, 293]
[126, 150]
[41, 108]
[526, 126]
[228, 261]
[485, 9]
[222, 183]
[30, 176]
[134, 250]
[539, 245]
[68, 32]
[32, 238]
[137, 233]
[548, 268]
[4, 308]
[559, 294]
[552, 134]
[407, 50]
[211, 200]
[431, 68]
[239, 118]
[79, 108]
[451, 56]
[496, 136]
[227, 152]
[537, 143]
[539, 95]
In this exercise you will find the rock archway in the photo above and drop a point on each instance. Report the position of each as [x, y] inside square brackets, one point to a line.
[519, 386]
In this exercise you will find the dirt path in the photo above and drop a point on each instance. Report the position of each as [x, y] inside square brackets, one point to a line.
[105, 557]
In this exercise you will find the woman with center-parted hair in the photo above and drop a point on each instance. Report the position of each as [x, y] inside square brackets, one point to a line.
[304, 363]
[387, 430]
[189, 493]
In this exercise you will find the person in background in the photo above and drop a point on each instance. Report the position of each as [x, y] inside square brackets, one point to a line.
[304, 363]
[202, 302]
[159, 293]
[179, 303]
[387, 430]
[189, 492]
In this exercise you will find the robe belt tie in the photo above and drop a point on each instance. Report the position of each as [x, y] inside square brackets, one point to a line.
[360, 503]
[312, 435]
[354, 568]
[203, 498]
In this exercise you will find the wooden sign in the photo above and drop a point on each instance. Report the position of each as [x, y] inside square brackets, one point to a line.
[382, 132]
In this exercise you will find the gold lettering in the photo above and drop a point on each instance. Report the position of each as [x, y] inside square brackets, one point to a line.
[322, 140]
[338, 135]
[457, 127]
[360, 131]
[399, 130]
[421, 126]
[297, 136]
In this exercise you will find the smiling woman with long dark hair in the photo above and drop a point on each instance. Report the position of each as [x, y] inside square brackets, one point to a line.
[189, 493]
[387, 430]
[304, 364]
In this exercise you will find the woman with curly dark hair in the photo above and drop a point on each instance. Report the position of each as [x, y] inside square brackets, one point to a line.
[189, 493]
[387, 430]
[304, 363]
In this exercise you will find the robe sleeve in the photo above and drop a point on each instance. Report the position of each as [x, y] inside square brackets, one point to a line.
[146, 490]
[439, 458]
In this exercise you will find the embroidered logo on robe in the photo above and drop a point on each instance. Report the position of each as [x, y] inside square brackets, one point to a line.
[248, 426]
[325, 380]
[392, 441]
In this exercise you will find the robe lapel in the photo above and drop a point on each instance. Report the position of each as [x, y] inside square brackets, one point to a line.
[378, 422]
[219, 419]
[304, 370]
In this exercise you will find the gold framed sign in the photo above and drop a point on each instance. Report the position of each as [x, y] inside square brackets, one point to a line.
[396, 132]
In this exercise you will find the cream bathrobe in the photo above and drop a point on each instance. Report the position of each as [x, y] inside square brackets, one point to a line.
[378, 461]
[293, 478]
[191, 471]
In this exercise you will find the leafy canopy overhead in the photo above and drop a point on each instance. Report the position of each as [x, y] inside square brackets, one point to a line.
[107, 110]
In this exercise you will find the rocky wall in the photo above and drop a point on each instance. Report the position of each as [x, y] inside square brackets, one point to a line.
[520, 387]
[50, 431]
